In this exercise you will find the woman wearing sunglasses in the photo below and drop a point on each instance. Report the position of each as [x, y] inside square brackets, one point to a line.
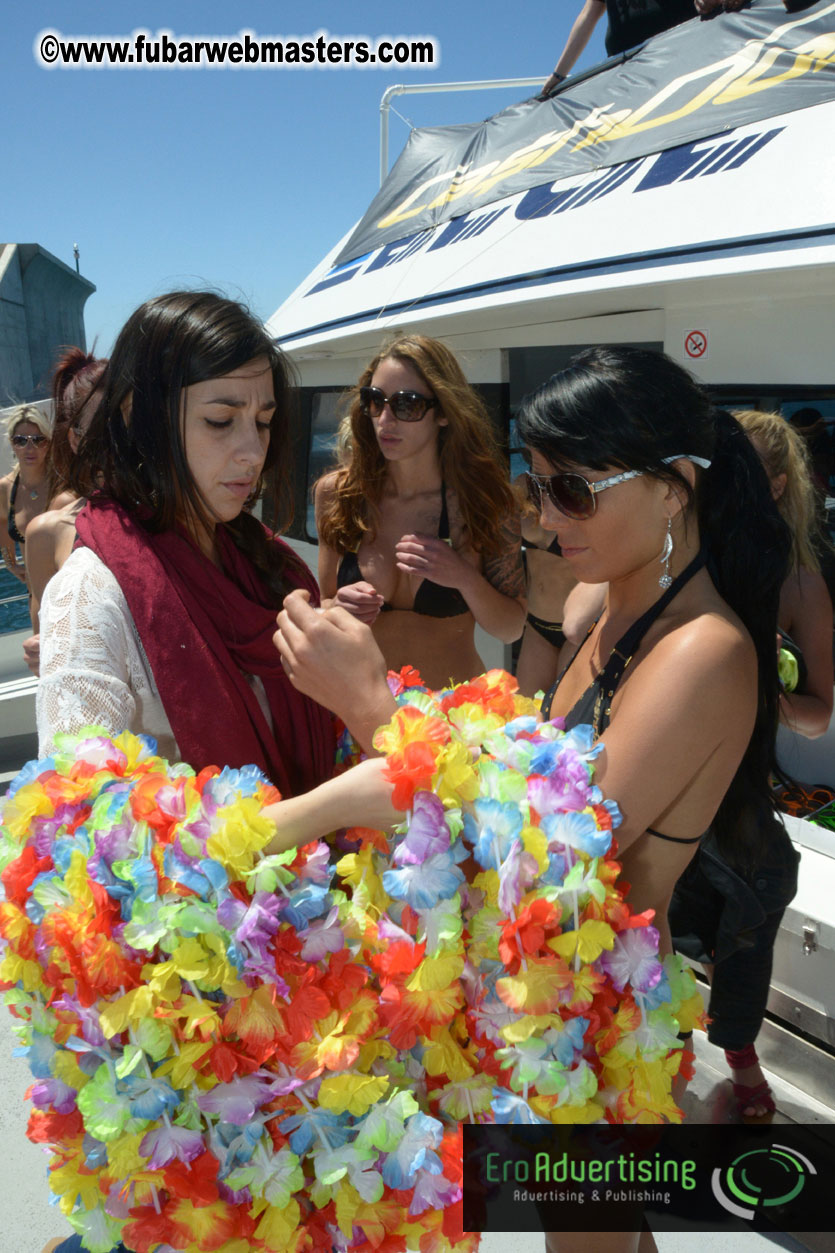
[23, 492]
[418, 531]
[655, 493]
[660, 496]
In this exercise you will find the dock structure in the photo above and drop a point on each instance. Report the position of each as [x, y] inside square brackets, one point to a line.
[41, 307]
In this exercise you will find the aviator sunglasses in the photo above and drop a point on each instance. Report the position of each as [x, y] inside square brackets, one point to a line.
[575, 496]
[406, 406]
[20, 441]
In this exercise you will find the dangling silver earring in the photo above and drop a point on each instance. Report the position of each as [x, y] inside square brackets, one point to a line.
[666, 578]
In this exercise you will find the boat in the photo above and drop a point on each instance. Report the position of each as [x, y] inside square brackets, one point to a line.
[679, 197]
[716, 242]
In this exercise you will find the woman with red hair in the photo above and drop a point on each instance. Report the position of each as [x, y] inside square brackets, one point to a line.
[76, 392]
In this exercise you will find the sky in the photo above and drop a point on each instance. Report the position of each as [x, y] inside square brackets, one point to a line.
[240, 179]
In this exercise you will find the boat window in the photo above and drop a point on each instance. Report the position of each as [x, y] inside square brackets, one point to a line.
[327, 408]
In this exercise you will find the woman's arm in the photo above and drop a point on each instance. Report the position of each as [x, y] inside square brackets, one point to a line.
[683, 719]
[87, 641]
[41, 564]
[328, 557]
[810, 626]
[578, 37]
[333, 658]
[361, 599]
[360, 797]
[495, 598]
[7, 548]
[583, 604]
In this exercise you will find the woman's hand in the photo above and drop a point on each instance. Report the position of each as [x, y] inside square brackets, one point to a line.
[15, 567]
[360, 599]
[433, 558]
[361, 797]
[332, 657]
[32, 653]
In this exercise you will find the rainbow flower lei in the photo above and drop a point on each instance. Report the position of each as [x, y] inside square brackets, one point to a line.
[240, 1052]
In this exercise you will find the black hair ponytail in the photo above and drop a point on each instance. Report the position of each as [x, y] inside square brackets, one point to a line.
[749, 549]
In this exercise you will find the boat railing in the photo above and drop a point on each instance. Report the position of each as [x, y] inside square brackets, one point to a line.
[484, 84]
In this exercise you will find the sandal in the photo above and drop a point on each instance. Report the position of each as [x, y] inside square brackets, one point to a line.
[756, 1094]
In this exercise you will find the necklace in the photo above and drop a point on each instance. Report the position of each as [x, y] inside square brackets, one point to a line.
[34, 492]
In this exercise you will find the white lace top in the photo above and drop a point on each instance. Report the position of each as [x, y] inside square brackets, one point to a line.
[94, 670]
[93, 666]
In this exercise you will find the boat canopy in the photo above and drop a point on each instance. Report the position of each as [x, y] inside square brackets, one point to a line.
[704, 153]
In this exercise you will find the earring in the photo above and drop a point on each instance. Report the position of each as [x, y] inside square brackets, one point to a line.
[666, 578]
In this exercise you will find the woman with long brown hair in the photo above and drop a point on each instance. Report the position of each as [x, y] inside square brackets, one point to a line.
[418, 530]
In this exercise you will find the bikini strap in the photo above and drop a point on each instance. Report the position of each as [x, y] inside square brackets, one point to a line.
[13, 496]
[610, 676]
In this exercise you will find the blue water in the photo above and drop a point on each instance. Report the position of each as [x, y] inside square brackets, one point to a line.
[14, 613]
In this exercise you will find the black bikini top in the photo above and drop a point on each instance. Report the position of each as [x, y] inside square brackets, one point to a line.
[11, 525]
[431, 599]
[594, 707]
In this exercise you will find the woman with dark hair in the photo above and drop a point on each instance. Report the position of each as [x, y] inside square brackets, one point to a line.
[657, 494]
[654, 492]
[161, 621]
[418, 529]
[76, 392]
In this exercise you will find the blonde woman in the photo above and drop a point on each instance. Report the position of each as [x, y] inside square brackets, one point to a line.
[418, 528]
[805, 613]
[734, 917]
[24, 491]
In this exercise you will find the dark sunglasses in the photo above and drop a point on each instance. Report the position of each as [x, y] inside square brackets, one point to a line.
[20, 441]
[406, 406]
[576, 497]
[573, 495]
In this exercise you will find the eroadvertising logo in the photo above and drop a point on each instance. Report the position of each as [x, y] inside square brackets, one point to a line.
[611, 1178]
[761, 1178]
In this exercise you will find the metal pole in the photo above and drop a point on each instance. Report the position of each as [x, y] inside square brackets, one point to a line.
[488, 84]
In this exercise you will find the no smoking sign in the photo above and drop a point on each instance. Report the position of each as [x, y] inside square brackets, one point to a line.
[695, 344]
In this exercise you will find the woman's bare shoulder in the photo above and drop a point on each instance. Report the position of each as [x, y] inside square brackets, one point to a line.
[45, 526]
[803, 587]
[63, 500]
[806, 612]
[710, 650]
[326, 488]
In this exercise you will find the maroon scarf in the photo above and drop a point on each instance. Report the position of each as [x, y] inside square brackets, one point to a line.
[203, 630]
